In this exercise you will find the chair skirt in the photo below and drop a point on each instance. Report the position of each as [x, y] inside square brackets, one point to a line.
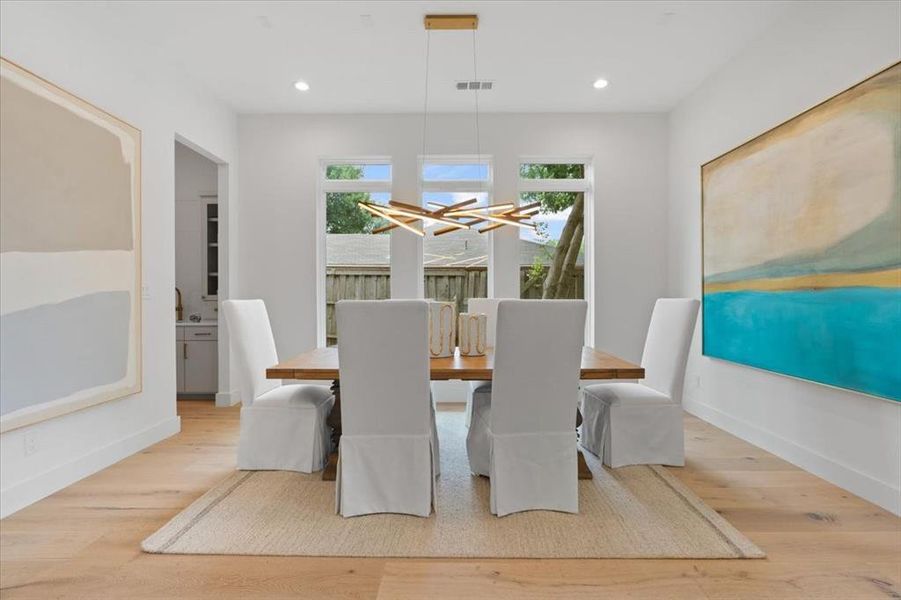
[474, 386]
[627, 433]
[528, 471]
[386, 474]
[284, 438]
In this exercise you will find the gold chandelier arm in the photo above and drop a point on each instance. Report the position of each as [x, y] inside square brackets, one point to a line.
[505, 207]
[509, 220]
[443, 208]
[409, 207]
[494, 226]
[391, 226]
[491, 227]
[469, 224]
[528, 208]
[385, 215]
[426, 215]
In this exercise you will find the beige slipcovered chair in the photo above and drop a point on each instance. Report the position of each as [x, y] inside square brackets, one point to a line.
[523, 432]
[282, 426]
[641, 423]
[388, 455]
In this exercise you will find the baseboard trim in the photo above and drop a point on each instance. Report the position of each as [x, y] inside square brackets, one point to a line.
[845, 477]
[226, 399]
[17, 497]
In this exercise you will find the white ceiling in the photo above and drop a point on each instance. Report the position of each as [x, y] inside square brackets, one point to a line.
[542, 56]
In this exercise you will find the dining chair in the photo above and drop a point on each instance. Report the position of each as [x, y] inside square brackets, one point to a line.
[523, 433]
[641, 423]
[488, 307]
[282, 427]
[388, 453]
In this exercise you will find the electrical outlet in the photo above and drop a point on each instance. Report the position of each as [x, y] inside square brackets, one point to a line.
[145, 292]
[31, 443]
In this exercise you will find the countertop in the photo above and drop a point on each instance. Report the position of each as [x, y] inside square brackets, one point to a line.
[205, 323]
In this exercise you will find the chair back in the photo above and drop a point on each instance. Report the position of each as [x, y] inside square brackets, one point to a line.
[666, 347]
[537, 361]
[383, 357]
[253, 345]
[486, 306]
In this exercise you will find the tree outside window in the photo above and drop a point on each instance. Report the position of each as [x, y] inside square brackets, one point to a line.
[555, 250]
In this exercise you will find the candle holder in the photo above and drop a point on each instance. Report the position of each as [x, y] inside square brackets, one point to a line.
[473, 333]
[442, 328]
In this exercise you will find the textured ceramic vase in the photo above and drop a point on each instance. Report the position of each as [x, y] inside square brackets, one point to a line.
[442, 328]
[472, 333]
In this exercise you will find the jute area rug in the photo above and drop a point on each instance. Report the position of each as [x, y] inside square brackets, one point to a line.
[630, 512]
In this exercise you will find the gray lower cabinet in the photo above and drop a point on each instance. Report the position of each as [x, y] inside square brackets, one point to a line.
[197, 360]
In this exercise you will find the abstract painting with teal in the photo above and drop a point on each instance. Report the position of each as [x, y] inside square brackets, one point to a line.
[802, 244]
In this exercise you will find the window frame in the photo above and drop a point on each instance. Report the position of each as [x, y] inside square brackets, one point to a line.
[323, 188]
[476, 186]
[585, 185]
[456, 185]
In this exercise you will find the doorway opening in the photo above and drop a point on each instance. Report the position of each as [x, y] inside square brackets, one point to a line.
[201, 259]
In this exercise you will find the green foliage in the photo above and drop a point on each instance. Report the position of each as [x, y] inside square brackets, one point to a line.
[536, 272]
[344, 172]
[342, 215]
[552, 171]
[551, 202]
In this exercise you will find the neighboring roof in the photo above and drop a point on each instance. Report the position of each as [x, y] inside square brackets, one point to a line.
[457, 249]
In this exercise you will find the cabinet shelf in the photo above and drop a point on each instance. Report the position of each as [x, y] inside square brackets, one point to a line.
[211, 245]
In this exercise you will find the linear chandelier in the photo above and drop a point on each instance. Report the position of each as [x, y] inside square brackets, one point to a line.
[461, 215]
[455, 216]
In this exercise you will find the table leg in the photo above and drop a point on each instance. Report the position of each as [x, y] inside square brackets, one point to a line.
[584, 471]
[330, 472]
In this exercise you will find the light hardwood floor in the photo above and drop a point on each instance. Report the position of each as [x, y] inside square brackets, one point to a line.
[83, 542]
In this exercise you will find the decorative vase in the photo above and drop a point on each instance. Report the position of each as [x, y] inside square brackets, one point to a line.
[442, 328]
[472, 333]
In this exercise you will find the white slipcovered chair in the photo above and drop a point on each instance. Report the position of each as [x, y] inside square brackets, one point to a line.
[523, 433]
[282, 426]
[488, 307]
[641, 423]
[388, 453]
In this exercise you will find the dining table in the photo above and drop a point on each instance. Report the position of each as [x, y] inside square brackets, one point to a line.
[322, 364]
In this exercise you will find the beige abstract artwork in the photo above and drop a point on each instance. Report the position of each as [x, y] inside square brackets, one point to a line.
[70, 252]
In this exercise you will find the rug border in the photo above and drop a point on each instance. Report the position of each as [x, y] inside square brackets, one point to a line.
[161, 540]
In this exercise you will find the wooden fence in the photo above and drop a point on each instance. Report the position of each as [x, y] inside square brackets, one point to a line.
[451, 284]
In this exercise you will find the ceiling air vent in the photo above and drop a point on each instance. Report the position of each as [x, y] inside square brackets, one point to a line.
[474, 85]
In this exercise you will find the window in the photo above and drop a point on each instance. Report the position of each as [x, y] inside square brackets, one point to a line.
[455, 261]
[357, 253]
[552, 257]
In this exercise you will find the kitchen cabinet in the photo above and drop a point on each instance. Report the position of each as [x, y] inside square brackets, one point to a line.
[197, 359]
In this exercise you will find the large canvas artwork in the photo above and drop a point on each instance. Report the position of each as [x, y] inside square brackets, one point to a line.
[802, 244]
[70, 253]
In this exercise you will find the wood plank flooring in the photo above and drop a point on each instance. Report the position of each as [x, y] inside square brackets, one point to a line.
[83, 542]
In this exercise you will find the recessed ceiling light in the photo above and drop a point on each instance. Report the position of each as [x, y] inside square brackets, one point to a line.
[303, 86]
[600, 84]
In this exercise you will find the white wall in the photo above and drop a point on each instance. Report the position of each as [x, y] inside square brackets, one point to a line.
[818, 50]
[107, 69]
[279, 170]
[195, 175]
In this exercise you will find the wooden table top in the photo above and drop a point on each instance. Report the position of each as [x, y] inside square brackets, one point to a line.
[322, 363]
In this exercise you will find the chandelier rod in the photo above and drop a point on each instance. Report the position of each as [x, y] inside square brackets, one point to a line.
[475, 77]
[425, 107]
